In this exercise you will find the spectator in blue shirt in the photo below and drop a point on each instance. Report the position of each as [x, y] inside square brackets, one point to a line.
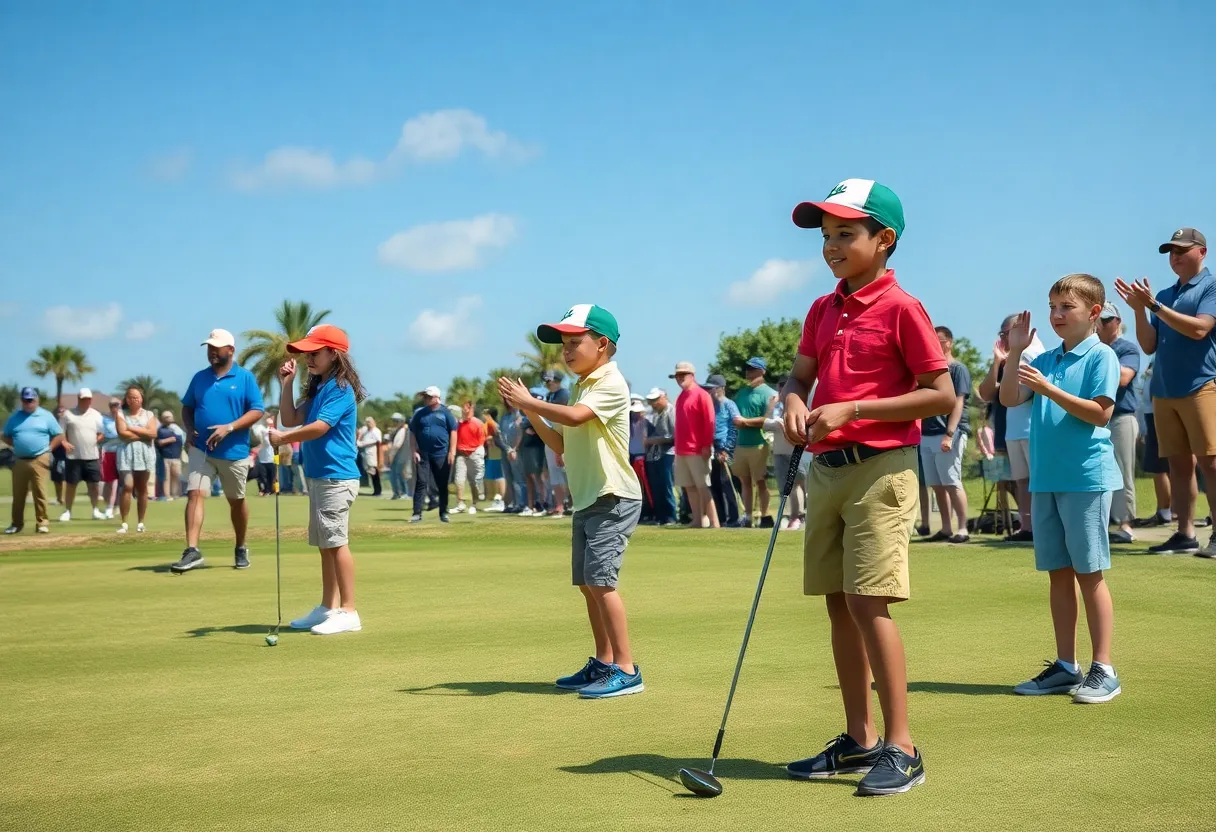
[433, 443]
[1182, 334]
[220, 406]
[324, 423]
[726, 436]
[33, 432]
[1124, 427]
[1072, 475]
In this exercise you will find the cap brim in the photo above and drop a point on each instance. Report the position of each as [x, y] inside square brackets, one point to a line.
[210, 343]
[810, 214]
[552, 333]
[305, 345]
[1165, 247]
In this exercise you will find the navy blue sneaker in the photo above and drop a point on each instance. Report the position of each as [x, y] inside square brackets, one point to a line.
[240, 559]
[192, 558]
[592, 672]
[615, 683]
[894, 773]
[843, 755]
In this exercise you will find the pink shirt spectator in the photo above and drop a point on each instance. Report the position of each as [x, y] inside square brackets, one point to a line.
[694, 422]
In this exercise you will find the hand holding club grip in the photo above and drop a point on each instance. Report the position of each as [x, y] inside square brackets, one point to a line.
[791, 476]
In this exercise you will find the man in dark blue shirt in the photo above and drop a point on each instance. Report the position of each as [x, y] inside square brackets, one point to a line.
[1124, 428]
[433, 443]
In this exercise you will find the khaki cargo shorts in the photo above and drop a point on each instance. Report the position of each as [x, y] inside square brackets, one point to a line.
[232, 473]
[329, 503]
[858, 525]
[1187, 425]
[751, 464]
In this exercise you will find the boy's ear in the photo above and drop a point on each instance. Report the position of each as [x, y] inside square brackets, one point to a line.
[886, 239]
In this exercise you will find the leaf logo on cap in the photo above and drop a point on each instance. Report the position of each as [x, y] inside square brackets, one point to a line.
[1177, 233]
[570, 312]
[839, 189]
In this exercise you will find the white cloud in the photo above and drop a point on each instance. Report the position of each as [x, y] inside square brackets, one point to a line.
[770, 281]
[433, 330]
[447, 246]
[82, 322]
[141, 331]
[427, 138]
[172, 166]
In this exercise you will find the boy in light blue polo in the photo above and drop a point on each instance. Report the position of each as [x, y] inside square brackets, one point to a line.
[1072, 474]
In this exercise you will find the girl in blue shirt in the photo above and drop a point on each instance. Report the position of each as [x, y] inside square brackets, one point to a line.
[324, 424]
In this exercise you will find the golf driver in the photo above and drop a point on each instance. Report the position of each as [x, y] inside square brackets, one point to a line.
[703, 783]
[273, 637]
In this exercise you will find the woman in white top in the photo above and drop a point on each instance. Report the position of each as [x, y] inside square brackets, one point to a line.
[137, 456]
[369, 449]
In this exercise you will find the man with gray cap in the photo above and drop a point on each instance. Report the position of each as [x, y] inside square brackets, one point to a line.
[1124, 428]
[433, 445]
[756, 401]
[1181, 335]
[82, 437]
[661, 456]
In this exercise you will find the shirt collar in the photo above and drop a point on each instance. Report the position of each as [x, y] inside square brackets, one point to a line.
[866, 295]
[597, 374]
[1194, 281]
[1080, 349]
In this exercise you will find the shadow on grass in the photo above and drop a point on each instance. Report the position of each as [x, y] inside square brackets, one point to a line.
[487, 689]
[243, 629]
[955, 688]
[666, 768]
[160, 567]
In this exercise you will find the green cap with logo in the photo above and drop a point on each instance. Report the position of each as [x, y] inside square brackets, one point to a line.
[584, 317]
[854, 199]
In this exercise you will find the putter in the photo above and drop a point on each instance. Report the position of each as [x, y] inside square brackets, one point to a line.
[272, 638]
[703, 783]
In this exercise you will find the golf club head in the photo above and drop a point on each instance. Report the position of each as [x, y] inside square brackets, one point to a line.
[701, 783]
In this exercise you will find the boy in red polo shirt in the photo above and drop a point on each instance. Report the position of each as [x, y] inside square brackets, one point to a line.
[879, 366]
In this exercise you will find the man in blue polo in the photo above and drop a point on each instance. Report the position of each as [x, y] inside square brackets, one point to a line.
[1182, 334]
[220, 406]
[433, 443]
[33, 432]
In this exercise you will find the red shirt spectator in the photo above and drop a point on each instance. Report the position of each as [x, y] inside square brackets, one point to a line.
[695, 421]
[871, 344]
[470, 435]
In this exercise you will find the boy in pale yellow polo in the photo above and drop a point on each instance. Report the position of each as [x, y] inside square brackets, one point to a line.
[592, 434]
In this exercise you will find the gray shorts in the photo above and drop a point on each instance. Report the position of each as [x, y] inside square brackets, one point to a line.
[329, 503]
[942, 468]
[601, 533]
[557, 475]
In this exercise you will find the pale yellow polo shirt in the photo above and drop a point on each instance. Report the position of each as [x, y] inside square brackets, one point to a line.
[597, 452]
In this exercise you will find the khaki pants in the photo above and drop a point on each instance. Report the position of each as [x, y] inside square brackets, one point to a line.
[1124, 431]
[27, 473]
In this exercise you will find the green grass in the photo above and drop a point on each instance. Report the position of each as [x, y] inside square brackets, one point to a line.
[135, 699]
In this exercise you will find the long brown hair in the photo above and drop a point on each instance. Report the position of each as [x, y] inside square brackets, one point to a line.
[344, 373]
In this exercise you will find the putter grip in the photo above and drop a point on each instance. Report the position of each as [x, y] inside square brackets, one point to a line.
[718, 742]
[791, 476]
[276, 473]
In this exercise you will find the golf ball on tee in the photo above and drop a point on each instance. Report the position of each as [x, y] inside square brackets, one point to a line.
[272, 640]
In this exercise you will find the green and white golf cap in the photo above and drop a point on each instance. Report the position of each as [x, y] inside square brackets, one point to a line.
[854, 199]
[584, 317]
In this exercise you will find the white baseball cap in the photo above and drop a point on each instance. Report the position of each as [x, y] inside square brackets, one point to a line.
[85, 393]
[637, 406]
[219, 338]
[655, 393]
[433, 392]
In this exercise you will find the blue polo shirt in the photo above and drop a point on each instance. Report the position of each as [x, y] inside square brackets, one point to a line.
[726, 435]
[332, 457]
[1184, 364]
[432, 430]
[32, 432]
[1067, 454]
[1127, 399]
[221, 400]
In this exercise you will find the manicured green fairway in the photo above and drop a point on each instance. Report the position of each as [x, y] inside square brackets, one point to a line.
[135, 699]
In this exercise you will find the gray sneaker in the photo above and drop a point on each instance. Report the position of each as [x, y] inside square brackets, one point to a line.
[1208, 551]
[1055, 678]
[1097, 688]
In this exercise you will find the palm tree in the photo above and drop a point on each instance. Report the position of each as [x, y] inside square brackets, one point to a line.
[156, 397]
[542, 357]
[64, 362]
[268, 350]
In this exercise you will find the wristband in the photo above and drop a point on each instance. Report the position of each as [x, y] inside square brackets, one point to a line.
[856, 411]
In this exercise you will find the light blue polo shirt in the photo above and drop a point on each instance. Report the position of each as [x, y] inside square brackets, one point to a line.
[1067, 454]
[332, 457]
[221, 400]
[32, 432]
[1184, 364]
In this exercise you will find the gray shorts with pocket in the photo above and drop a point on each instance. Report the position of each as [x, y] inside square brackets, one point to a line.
[329, 503]
[601, 533]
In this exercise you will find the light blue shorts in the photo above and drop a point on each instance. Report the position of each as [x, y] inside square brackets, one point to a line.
[1070, 530]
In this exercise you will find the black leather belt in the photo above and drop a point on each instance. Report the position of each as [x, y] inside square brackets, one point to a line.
[848, 456]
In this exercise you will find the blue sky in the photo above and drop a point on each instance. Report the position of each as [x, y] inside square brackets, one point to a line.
[445, 176]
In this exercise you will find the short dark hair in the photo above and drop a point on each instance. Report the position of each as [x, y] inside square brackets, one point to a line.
[493, 411]
[874, 226]
[944, 330]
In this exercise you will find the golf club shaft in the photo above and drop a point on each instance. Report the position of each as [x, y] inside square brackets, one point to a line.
[790, 479]
[278, 580]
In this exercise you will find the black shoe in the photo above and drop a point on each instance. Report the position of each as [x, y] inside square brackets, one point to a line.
[922, 531]
[938, 537]
[766, 522]
[1178, 544]
[842, 755]
[1149, 522]
[1020, 536]
[443, 518]
[894, 772]
[13, 530]
[191, 559]
[959, 538]
[241, 558]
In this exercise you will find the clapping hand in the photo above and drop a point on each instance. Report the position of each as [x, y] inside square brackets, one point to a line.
[1137, 294]
[1021, 335]
[288, 371]
[999, 353]
[514, 392]
[1031, 378]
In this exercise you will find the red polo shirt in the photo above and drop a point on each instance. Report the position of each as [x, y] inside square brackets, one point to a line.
[694, 422]
[871, 344]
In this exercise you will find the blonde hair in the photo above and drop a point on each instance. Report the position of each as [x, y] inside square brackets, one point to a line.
[1084, 287]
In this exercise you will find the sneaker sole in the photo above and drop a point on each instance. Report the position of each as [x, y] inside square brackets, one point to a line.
[1205, 554]
[1096, 700]
[1189, 550]
[826, 775]
[179, 569]
[1047, 692]
[638, 688]
[911, 784]
[340, 632]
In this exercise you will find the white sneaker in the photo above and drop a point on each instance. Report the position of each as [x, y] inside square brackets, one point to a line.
[527, 512]
[98, 514]
[795, 525]
[170, 499]
[139, 528]
[472, 509]
[66, 517]
[44, 530]
[317, 615]
[109, 515]
[121, 529]
[339, 621]
[460, 509]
